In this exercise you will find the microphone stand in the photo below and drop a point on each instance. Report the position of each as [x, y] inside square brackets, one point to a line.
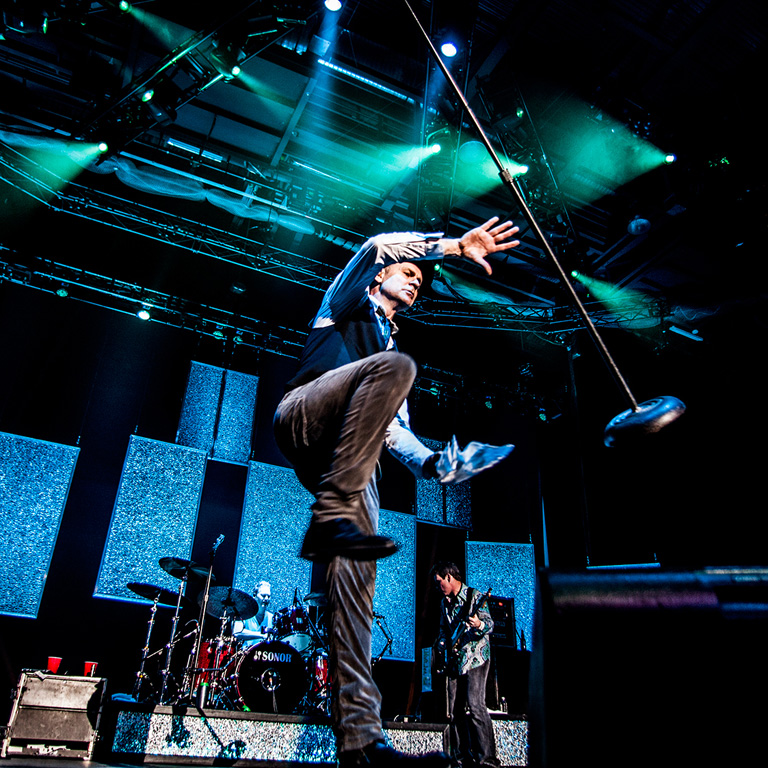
[646, 417]
[195, 655]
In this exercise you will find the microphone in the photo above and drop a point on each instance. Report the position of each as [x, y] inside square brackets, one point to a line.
[378, 615]
[217, 544]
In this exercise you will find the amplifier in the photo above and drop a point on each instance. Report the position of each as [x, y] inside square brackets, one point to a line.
[54, 715]
[502, 610]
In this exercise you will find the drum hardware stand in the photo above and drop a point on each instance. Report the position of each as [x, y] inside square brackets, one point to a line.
[166, 672]
[141, 675]
[388, 645]
[639, 419]
[212, 693]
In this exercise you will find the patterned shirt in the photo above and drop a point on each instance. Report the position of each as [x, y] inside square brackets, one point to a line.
[474, 647]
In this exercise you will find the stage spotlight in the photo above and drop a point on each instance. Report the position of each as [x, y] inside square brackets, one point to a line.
[638, 226]
[25, 21]
[143, 313]
[103, 147]
[449, 49]
[147, 95]
[435, 149]
[226, 57]
[124, 6]
[62, 291]
[333, 5]
[670, 158]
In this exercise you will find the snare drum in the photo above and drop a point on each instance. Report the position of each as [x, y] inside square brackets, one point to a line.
[292, 627]
[268, 677]
[214, 657]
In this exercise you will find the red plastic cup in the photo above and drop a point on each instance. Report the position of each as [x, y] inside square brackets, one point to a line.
[90, 668]
[53, 664]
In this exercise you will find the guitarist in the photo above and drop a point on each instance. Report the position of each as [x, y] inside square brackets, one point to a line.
[463, 640]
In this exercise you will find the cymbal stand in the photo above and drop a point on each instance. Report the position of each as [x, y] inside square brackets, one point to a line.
[141, 675]
[172, 642]
[313, 627]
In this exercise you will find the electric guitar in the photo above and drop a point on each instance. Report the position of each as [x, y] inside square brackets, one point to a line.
[446, 653]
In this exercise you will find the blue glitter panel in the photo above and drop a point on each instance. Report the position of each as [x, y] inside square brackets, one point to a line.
[508, 570]
[154, 516]
[443, 504]
[394, 598]
[275, 518]
[218, 412]
[34, 483]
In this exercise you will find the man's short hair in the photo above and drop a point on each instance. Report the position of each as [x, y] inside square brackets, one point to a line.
[444, 568]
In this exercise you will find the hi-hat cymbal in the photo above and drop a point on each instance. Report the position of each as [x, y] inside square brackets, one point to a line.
[230, 602]
[179, 568]
[161, 594]
[316, 598]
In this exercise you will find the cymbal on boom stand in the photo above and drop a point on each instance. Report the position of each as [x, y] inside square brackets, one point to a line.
[180, 569]
[316, 598]
[161, 594]
[231, 603]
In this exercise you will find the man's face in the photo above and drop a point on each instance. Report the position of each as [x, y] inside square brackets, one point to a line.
[400, 283]
[263, 595]
[444, 584]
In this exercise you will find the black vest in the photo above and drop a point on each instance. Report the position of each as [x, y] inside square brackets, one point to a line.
[354, 337]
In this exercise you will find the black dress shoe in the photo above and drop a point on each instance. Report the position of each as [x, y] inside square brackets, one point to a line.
[323, 541]
[379, 755]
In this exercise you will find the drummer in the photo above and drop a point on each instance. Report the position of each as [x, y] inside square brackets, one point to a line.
[257, 628]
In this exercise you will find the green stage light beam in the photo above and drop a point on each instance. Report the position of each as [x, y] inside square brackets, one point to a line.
[166, 33]
[612, 297]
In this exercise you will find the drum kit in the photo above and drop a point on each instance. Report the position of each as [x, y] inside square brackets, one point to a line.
[286, 673]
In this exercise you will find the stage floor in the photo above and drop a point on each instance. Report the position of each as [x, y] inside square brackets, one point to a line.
[131, 734]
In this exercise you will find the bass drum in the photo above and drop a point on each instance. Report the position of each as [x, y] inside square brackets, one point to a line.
[268, 677]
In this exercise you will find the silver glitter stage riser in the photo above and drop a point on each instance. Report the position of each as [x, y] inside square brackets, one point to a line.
[165, 734]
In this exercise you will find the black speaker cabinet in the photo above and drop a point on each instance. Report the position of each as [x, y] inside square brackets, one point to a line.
[649, 668]
[54, 715]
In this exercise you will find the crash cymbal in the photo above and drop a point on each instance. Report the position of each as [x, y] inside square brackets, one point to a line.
[230, 602]
[316, 598]
[161, 594]
[179, 568]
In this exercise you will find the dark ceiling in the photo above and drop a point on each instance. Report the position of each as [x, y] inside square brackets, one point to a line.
[270, 179]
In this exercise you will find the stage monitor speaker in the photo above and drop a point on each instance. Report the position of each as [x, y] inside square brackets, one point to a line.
[649, 668]
[54, 716]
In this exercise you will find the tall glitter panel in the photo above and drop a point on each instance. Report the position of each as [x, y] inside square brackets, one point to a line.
[443, 504]
[218, 412]
[154, 516]
[394, 598]
[275, 518]
[508, 570]
[34, 483]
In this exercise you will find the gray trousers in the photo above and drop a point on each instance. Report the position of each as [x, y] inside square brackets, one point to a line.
[471, 729]
[332, 431]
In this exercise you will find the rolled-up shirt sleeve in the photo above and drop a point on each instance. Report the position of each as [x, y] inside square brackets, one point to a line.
[404, 445]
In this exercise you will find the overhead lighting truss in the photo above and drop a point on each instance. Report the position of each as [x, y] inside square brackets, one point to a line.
[71, 283]
[259, 255]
